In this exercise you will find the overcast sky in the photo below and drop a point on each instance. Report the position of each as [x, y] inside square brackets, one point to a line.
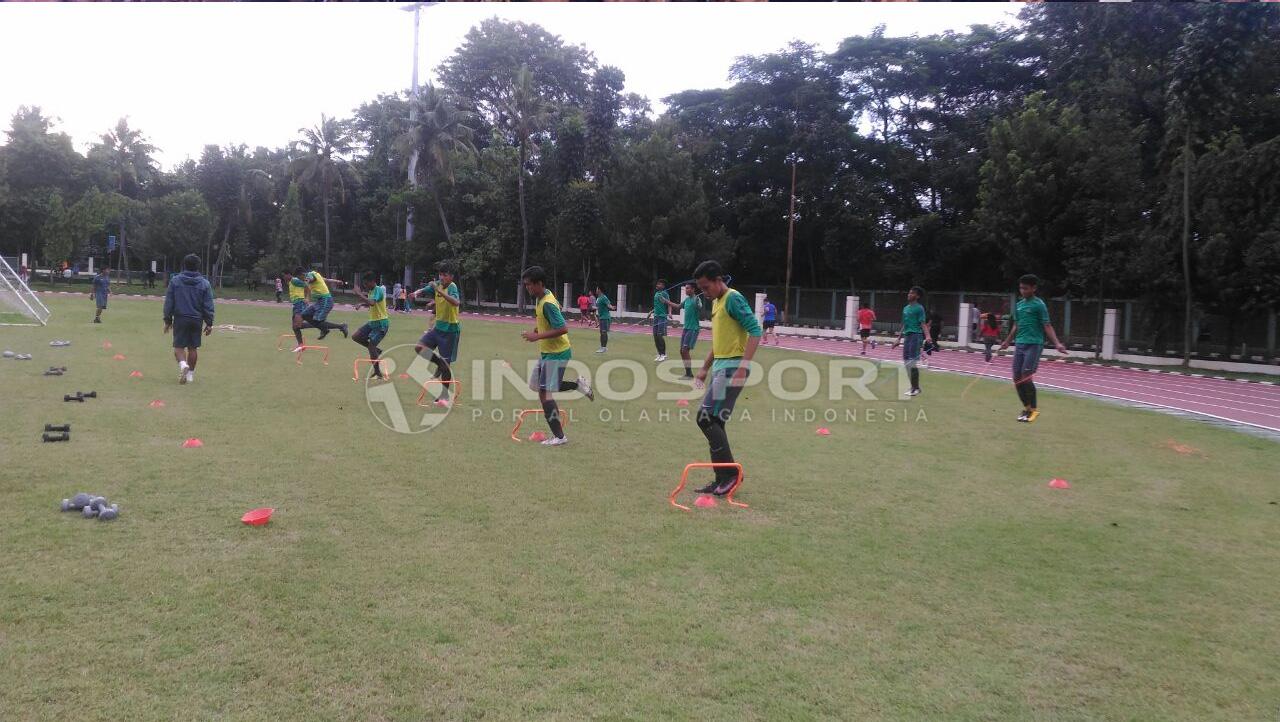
[195, 73]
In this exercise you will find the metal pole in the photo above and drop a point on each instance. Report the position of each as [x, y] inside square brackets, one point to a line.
[791, 238]
[413, 157]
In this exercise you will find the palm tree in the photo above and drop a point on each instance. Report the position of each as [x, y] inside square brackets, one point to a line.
[525, 114]
[127, 156]
[322, 164]
[252, 181]
[437, 135]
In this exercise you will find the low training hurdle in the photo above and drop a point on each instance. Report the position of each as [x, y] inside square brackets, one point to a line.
[280, 341]
[456, 384]
[684, 479]
[515, 432]
[304, 349]
[355, 367]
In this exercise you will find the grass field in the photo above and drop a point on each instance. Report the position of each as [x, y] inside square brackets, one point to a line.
[897, 569]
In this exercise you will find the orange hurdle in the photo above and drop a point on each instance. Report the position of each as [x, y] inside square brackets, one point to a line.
[304, 349]
[355, 367]
[280, 344]
[515, 432]
[457, 388]
[684, 479]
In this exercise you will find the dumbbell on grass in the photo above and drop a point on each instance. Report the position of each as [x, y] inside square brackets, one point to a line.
[62, 436]
[57, 427]
[77, 502]
[107, 513]
[75, 397]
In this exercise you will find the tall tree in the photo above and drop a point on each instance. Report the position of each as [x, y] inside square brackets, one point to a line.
[323, 165]
[524, 115]
[440, 132]
[125, 155]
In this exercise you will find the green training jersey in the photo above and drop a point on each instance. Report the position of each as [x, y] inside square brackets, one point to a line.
[913, 318]
[1031, 315]
[692, 308]
[602, 307]
[660, 304]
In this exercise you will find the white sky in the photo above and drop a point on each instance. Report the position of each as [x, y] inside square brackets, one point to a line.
[194, 73]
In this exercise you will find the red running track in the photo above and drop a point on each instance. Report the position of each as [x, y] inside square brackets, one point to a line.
[1239, 402]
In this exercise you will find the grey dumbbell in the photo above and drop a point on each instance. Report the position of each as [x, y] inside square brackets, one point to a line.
[9, 354]
[80, 501]
[109, 513]
[98, 502]
[89, 512]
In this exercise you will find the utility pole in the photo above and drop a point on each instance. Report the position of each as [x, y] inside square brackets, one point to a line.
[413, 157]
[791, 240]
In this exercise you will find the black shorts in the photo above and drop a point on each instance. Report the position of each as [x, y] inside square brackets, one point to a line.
[186, 332]
[769, 324]
[864, 332]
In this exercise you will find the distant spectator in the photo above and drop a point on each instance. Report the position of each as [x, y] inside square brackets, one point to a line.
[279, 289]
[151, 278]
[101, 289]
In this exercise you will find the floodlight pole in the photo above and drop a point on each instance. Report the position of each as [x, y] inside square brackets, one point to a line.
[413, 156]
[791, 239]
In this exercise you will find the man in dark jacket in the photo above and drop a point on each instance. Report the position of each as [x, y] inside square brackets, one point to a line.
[187, 302]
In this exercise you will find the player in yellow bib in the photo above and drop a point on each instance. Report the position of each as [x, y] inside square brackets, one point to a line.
[317, 313]
[443, 339]
[735, 335]
[551, 333]
[370, 334]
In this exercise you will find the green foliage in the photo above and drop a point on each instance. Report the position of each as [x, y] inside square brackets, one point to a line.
[178, 223]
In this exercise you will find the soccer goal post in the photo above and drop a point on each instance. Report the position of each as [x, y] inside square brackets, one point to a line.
[19, 305]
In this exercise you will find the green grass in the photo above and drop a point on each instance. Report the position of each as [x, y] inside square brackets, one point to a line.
[915, 569]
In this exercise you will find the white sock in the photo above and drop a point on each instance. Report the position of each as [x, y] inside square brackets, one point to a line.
[182, 365]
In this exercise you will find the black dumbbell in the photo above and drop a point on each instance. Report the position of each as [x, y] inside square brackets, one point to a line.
[77, 502]
[73, 397]
[88, 394]
[57, 427]
[64, 436]
[54, 372]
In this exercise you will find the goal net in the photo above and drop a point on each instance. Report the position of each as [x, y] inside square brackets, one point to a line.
[19, 305]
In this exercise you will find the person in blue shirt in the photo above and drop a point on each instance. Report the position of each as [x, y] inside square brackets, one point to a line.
[188, 301]
[770, 320]
[101, 289]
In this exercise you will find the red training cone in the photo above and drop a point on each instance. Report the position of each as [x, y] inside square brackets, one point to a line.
[404, 376]
[157, 404]
[118, 357]
[192, 444]
[705, 501]
[1059, 484]
[106, 344]
[135, 375]
[257, 517]
[682, 403]
[823, 431]
[537, 436]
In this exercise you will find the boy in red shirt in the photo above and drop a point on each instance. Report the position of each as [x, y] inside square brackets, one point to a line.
[866, 317]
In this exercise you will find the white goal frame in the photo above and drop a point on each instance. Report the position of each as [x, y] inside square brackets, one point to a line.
[27, 303]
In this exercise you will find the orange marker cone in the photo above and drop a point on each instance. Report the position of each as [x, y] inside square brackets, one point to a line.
[118, 357]
[192, 444]
[106, 344]
[404, 376]
[157, 404]
[1059, 484]
[537, 436]
[682, 402]
[823, 431]
[705, 501]
[135, 375]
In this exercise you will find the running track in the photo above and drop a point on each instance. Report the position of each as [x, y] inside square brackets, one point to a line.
[1239, 402]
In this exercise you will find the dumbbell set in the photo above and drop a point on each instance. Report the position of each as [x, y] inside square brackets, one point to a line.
[80, 396]
[56, 371]
[91, 506]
